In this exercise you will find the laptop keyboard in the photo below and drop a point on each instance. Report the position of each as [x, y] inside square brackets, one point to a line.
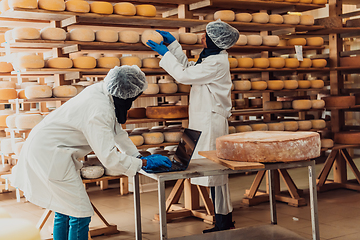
[174, 167]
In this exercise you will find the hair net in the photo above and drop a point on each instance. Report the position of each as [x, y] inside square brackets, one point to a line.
[222, 34]
[125, 81]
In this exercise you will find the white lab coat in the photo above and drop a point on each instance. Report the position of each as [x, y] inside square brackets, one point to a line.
[47, 166]
[209, 104]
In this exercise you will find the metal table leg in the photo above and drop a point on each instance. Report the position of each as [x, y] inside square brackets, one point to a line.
[137, 208]
[162, 209]
[272, 197]
[313, 202]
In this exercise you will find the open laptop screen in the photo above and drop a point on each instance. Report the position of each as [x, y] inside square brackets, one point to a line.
[187, 146]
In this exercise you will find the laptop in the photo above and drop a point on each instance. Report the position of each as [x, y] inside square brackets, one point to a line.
[185, 149]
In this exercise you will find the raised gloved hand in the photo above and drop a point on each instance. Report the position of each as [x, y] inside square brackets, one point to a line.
[160, 48]
[168, 38]
[155, 161]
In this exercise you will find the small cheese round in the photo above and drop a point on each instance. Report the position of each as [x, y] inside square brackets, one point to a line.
[243, 128]
[261, 62]
[6, 67]
[242, 85]
[224, 15]
[7, 93]
[307, 20]
[84, 62]
[137, 140]
[151, 62]
[92, 172]
[232, 129]
[151, 138]
[242, 40]
[272, 105]
[21, 94]
[318, 124]
[56, 34]
[233, 62]
[276, 126]
[305, 63]
[296, 41]
[304, 84]
[277, 62]
[27, 121]
[301, 104]
[317, 104]
[292, 63]
[259, 127]
[276, 19]
[184, 88]
[101, 7]
[108, 62]
[243, 17]
[260, 17]
[38, 91]
[305, 125]
[78, 6]
[7, 84]
[258, 85]
[318, 83]
[254, 40]
[327, 143]
[25, 33]
[271, 40]
[106, 36]
[275, 84]
[53, 5]
[188, 38]
[291, 19]
[172, 136]
[240, 103]
[315, 41]
[153, 88]
[245, 62]
[168, 88]
[31, 62]
[125, 8]
[30, 4]
[151, 35]
[131, 60]
[82, 34]
[129, 36]
[146, 10]
[59, 62]
[290, 125]
[319, 63]
[64, 91]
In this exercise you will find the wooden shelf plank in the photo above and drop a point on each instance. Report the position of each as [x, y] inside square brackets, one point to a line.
[352, 31]
[147, 120]
[244, 70]
[36, 100]
[260, 111]
[157, 145]
[282, 90]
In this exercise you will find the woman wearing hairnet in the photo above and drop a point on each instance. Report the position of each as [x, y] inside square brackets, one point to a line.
[210, 100]
[47, 166]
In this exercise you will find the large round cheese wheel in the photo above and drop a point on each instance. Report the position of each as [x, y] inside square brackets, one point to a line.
[319, 63]
[292, 63]
[290, 125]
[296, 41]
[318, 83]
[101, 7]
[307, 20]
[151, 35]
[317, 104]
[301, 104]
[84, 62]
[108, 62]
[77, 6]
[318, 124]
[53, 5]
[271, 41]
[277, 62]
[125, 8]
[319, 1]
[172, 136]
[260, 17]
[131, 60]
[347, 137]
[276, 127]
[56, 34]
[243, 128]
[137, 140]
[259, 127]
[305, 125]
[261, 62]
[152, 138]
[243, 17]
[305, 63]
[245, 62]
[327, 143]
[7, 84]
[152, 88]
[275, 84]
[276, 19]
[188, 38]
[233, 62]
[152, 62]
[31, 61]
[146, 10]
[7, 93]
[82, 34]
[31, 4]
[27, 121]
[64, 91]
[291, 19]
[242, 40]
[106, 36]
[167, 112]
[38, 91]
[272, 105]
[6, 67]
[18, 229]
[25, 33]
[224, 15]
[304, 84]
[254, 40]
[92, 172]
[315, 41]
[59, 62]
[242, 85]
[258, 85]
[168, 88]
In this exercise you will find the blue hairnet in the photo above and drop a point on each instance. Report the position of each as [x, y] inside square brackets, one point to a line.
[222, 34]
[125, 81]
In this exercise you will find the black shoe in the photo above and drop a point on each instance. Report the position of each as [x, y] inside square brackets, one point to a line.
[214, 229]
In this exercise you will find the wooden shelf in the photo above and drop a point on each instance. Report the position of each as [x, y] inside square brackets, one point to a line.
[355, 107]
[351, 69]
[260, 111]
[164, 94]
[282, 90]
[245, 70]
[148, 120]
[346, 31]
[36, 100]
[157, 145]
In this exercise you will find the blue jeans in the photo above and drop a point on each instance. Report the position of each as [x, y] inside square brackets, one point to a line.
[70, 228]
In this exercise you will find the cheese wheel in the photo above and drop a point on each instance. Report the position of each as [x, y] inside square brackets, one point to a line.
[307, 20]
[260, 17]
[7, 84]
[261, 62]
[125, 8]
[291, 19]
[129, 36]
[292, 63]
[240, 103]
[290, 125]
[7, 93]
[188, 38]
[256, 102]
[243, 17]
[27, 121]
[92, 172]
[60, 62]
[258, 85]
[245, 62]
[152, 88]
[84, 62]
[130, 60]
[318, 83]
[6, 67]
[38, 91]
[224, 15]
[287, 104]
[137, 112]
[243, 128]
[30, 4]
[167, 112]
[233, 62]
[64, 91]
[319, 63]
[78, 87]
[259, 127]
[53, 5]
[173, 137]
[242, 85]
[317, 104]
[168, 87]
[146, 10]
[282, 43]
[318, 124]
[276, 126]
[151, 35]
[4, 6]
[315, 41]
[82, 34]
[152, 62]
[106, 36]
[56, 34]
[31, 61]
[301, 104]
[305, 125]
[242, 40]
[254, 40]
[319, 1]
[21, 94]
[292, 1]
[108, 62]
[18, 229]
[137, 140]
[304, 84]
[275, 84]
[296, 41]
[78, 6]
[276, 19]
[305, 63]
[101, 7]
[152, 138]
[271, 41]
[4, 114]
[184, 88]
[272, 105]
[25, 33]
[305, 1]
[327, 143]
[277, 62]
[232, 129]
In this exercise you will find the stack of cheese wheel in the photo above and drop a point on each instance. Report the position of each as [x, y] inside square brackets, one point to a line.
[25, 33]
[224, 15]
[131, 60]
[301, 104]
[259, 127]
[107, 62]
[18, 228]
[151, 35]
[30, 4]
[146, 10]
[85, 62]
[276, 126]
[291, 84]
[53, 5]
[64, 91]
[188, 38]
[151, 62]
[153, 88]
[82, 34]
[243, 128]
[125, 8]
[6, 67]
[152, 138]
[106, 35]
[129, 36]
[56, 34]
[260, 17]
[292, 63]
[27, 120]
[137, 112]
[59, 62]
[245, 62]
[78, 6]
[3, 115]
[241, 41]
[242, 85]
[7, 90]
[304, 125]
[305, 63]
[38, 91]
[167, 112]
[243, 17]
[101, 7]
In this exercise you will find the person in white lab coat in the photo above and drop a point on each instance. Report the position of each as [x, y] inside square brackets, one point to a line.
[47, 170]
[210, 100]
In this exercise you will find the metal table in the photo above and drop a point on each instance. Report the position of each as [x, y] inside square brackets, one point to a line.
[206, 167]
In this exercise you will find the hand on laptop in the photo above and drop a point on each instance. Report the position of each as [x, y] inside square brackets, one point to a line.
[155, 161]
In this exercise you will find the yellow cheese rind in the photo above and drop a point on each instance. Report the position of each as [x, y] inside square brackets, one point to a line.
[152, 62]
[254, 40]
[60, 62]
[106, 36]
[307, 20]
[276, 19]
[305, 125]
[318, 83]
[137, 140]
[25, 33]
[259, 127]
[101, 8]
[233, 62]
[153, 88]
[82, 34]
[315, 41]
[151, 138]
[243, 128]
[50, 33]
[224, 15]
[7, 93]
[84, 62]
[131, 60]
[108, 62]
[64, 91]
[318, 124]
[168, 88]
[304, 84]
[6, 67]
[243, 17]
[317, 104]
[27, 121]
[125, 8]
[241, 41]
[53, 5]
[7, 84]
[129, 36]
[151, 35]
[258, 85]
[245, 62]
[271, 41]
[146, 10]
[290, 125]
[276, 127]
[38, 91]
[261, 62]
[242, 85]
[305, 63]
[275, 84]
[30, 4]
[296, 41]
[188, 38]
[292, 63]
[260, 17]
[77, 6]
[319, 63]
[291, 19]
[327, 143]
[31, 62]
[301, 104]
[277, 62]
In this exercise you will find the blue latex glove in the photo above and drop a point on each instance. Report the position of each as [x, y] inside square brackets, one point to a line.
[168, 38]
[160, 48]
[155, 161]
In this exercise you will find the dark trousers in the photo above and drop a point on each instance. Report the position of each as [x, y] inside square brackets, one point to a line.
[222, 222]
